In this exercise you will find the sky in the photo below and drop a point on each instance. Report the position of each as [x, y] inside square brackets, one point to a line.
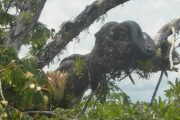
[151, 15]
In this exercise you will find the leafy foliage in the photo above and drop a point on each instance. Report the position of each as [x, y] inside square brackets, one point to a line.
[119, 107]
[38, 37]
[57, 81]
[79, 65]
[17, 76]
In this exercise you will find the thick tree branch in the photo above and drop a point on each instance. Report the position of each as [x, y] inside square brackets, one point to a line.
[25, 22]
[71, 29]
[160, 39]
[166, 31]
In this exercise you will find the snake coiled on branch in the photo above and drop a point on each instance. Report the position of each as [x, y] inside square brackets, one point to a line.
[140, 39]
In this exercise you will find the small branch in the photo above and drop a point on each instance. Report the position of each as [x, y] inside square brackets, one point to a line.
[156, 89]
[40, 112]
[5, 28]
[1, 91]
[127, 74]
[154, 95]
[26, 115]
[8, 6]
[130, 77]
[123, 77]
[17, 3]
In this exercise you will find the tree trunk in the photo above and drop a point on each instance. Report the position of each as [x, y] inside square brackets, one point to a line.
[28, 17]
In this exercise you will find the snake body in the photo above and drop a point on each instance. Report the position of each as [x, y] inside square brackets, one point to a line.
[141, 39]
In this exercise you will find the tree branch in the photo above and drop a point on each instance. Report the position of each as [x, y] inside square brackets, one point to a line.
[71, 29]
[40, 112]
[1, 91]
[25, 22]
[18, 4]
[156, 89]
[166, 31]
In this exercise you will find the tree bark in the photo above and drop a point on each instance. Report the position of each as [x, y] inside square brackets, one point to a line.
[71, 29]
[29, 15]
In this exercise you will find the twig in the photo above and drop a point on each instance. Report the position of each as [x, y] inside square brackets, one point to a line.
[1, 91]
[156, 89]
[18, 4]
[40, 112]
[8, 6]
[154, 95]
[123, 77]
[130, 77]
[127, 74]
[26, 115]
[177, 55]
[5, 28]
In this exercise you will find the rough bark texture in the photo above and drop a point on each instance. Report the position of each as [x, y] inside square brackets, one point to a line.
[160, 39]
[30, 12]
[71, 29]
[166, 31]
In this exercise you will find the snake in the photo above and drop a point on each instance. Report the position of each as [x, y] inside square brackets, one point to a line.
[140, 39]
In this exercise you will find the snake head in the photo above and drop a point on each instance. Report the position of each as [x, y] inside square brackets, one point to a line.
[149, 45]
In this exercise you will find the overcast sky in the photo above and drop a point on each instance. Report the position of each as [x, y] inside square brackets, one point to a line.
[151, 15]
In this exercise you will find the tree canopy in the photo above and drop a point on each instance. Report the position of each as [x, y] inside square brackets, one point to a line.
[27, 92]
